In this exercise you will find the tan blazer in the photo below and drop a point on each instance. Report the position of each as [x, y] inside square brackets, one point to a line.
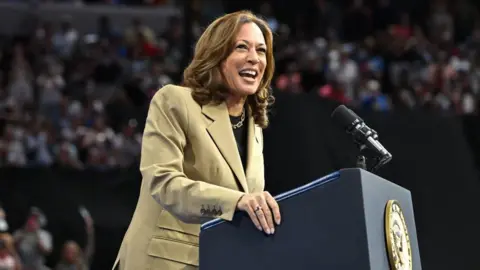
[192, 173]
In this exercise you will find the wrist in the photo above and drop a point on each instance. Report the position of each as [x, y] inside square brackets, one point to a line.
[237, 207]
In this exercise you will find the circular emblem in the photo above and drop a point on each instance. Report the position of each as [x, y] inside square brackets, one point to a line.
[398, 240]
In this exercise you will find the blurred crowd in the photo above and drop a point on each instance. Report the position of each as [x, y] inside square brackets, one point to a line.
[29, 246]
[78, 101]
[68, 100]
[379, 57]
[100, 2]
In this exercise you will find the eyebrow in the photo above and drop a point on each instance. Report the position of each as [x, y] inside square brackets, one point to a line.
[248, 43]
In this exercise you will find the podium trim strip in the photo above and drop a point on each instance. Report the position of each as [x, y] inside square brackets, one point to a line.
[284, 196]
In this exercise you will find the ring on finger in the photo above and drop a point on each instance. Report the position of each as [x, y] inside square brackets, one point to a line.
[258, 208]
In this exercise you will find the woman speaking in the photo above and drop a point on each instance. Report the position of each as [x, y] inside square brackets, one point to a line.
[202, 150]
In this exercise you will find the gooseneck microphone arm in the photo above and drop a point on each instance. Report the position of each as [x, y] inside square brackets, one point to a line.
[364, 137]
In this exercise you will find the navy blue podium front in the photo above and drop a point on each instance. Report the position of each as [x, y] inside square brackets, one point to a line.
[337, 222]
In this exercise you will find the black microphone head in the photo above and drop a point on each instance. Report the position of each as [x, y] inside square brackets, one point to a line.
[344, 117]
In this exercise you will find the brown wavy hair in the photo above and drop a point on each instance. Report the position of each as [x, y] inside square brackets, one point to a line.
[204, 76]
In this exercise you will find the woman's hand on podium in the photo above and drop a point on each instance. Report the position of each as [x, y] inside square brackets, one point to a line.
[263, 210]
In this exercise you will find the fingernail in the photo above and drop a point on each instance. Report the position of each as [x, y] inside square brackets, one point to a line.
[268, 231]
[273, 231]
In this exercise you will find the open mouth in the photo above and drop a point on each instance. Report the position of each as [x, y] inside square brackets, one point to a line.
[250, 74]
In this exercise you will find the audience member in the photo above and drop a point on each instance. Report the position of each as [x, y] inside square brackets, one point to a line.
[33, 242]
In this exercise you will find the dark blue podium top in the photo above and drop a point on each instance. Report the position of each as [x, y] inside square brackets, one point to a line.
[294, 192]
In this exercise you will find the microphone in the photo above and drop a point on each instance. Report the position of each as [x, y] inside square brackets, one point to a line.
[364, 136]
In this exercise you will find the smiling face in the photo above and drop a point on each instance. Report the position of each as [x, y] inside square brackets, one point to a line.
[244, 68]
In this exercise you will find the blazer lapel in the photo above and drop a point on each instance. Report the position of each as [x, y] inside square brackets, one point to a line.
[222, 134]
[252, 144]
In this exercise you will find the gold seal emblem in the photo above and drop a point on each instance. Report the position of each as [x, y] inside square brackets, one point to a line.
[398, 240]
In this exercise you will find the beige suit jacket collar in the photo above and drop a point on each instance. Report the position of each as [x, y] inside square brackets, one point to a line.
[220, 129]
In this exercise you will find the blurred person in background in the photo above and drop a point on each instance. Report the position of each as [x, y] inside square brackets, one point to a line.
[139, 32]
[3, 221]
[50, 85]
[32, 242]
[15, 154]
[20, 84]
[73, 257]
[344, 70]
[65, 39]
[188, 178]
[9, 259]
[372, 98]
[333, 90]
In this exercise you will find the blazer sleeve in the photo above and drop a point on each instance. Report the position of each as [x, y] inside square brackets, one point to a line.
[164, 139]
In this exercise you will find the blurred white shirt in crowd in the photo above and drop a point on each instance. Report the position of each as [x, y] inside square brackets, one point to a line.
[7, 262]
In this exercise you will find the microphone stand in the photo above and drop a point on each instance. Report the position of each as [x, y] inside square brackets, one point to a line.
[361, 162]
[378, 160]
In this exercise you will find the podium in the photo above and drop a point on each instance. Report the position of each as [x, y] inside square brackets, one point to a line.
[350, 219]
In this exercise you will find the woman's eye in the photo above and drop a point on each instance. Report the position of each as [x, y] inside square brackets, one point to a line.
[242, 46]
[263, 50]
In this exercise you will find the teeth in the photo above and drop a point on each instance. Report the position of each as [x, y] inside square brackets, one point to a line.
[250, 72]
